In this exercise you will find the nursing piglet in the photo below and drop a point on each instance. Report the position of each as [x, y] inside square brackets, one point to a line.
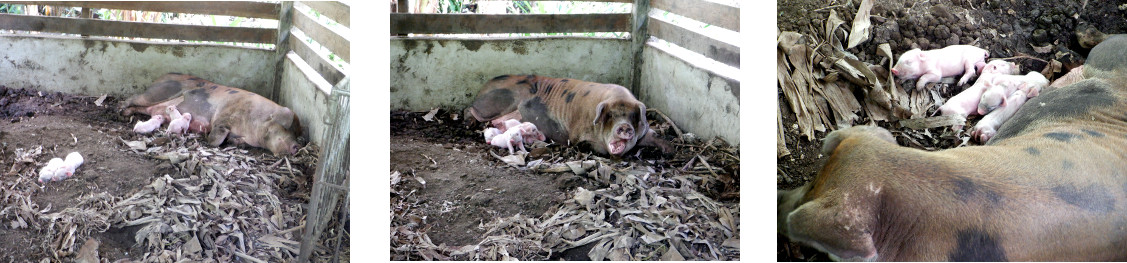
[966, 103]
[1001, 87]
[508, 139]
[988, 125]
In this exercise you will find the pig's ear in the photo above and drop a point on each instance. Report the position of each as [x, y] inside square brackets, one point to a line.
[835, 138]
[922, 56]
[828, 226]
[598, 112]
[642, 116]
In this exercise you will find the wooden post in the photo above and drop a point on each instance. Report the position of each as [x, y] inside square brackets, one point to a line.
[87, 13]
[285, 22]
[402, 8]
[638, 36]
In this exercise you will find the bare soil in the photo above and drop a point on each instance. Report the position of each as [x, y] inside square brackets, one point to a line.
[1006, 28]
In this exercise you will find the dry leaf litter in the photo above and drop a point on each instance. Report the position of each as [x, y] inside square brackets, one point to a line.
[222, 206]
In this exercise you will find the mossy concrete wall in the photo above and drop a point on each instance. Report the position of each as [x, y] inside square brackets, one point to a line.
[698, 101]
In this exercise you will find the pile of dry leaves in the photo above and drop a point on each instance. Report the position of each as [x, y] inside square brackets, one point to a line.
[223, 205]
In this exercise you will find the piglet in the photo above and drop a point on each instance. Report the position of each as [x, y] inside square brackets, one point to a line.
[966, 103]
[490, 133]
[149, 125]
[180, 125]
[1000, 87]
[508, 139]
[172, 112]
[987, 127]
[530, 133]
[932, 65]
[47, 174]
[508, 124]
[72, 162]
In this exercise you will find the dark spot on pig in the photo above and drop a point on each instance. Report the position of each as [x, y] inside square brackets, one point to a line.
[195, 101]
[1066, 165]
[548, 89]
[162, 91]
[564, 80]
[976, 245]
[1070, 102]
[1060, 136]
[214, 87]
[535, 111]
[1093, 133]
[531, 88]
[200, 84]
[585, 93]
[1032, 151]
[232, 92]
[195, 79]
[494, 103]
[966, 189]
[1093, 198]
[501, 77]
[570, 95]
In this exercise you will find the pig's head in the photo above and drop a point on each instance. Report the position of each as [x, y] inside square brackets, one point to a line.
[836, 212]
[280, 141]
[619, 123]
[991, 99]
[910, 65]
[999, 66]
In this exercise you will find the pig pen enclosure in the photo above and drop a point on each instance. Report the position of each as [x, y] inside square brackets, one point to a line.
[68, 68]
[454, 197]
[826, 82]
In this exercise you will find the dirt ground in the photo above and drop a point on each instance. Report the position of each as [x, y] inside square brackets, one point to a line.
[1006, 28]
[60, 124]
[458, 186]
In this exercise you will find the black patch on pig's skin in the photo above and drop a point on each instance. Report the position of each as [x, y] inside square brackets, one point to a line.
[199, 84]
[195, 79]
[1060, 136]
[1070, 102]
[1093, 133]
[585, 93]
[163, 91]
[232, 92]
[531, 88]
[548, 89]
[570, 95]
[495, 103]
[1093, 198]
[501, 77]
[564, 80]
[195, 101]
[536, 112]
[976, 245]
[1032, 151]
[966, 189]
[214, 87]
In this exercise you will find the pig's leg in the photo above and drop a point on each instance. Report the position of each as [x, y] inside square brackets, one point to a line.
[925, 79]
[968, 72]
[500, 121]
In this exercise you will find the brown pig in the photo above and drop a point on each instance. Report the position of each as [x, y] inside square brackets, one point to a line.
[569, 111]
[223, 113]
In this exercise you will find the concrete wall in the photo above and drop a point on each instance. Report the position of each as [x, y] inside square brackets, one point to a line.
[307, 94]
[698, 101]
[427, 73]
[95, 66]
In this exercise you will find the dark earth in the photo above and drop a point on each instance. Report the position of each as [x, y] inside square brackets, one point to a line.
[1006, 28]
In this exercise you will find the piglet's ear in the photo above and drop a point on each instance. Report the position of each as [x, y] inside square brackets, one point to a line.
[922, 56]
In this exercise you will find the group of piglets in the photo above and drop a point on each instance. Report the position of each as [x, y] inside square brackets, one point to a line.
[997, 94]
[178, 124]
[59, 169]
[513, 132]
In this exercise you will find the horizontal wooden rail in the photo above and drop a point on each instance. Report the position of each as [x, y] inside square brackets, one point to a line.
[137, 29]
[316, 60]
[707, 12]
[336, 11]
[336, 41]
[488, 24]
[709, 47]
[243, 9]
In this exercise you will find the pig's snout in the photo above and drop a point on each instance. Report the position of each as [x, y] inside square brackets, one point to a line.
[624, 131]
[895, 72]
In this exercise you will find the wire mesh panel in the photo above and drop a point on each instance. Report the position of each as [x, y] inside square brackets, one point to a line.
[331, 183]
